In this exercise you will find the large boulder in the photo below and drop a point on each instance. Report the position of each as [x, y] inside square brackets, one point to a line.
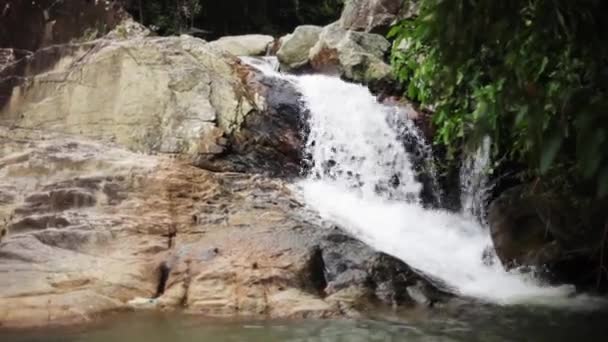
[295, 47]
[357, 56]
[152, 95]
[246, 45]
[549, 235]
[371, 15]
[176, 95]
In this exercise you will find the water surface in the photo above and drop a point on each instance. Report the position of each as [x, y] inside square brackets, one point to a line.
[485, 324]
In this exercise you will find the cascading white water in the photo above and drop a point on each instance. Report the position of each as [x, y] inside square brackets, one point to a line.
[474, 182]
[362, 179]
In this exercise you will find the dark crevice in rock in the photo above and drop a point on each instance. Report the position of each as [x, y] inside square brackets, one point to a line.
[163, 271]
[171, 234]
[316, 270]
[3, 233]
[39, 222]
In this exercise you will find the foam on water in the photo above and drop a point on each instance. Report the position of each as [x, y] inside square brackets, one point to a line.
[361, 178]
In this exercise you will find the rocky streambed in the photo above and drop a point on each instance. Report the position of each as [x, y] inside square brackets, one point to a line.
[159, 175]
[146, 173]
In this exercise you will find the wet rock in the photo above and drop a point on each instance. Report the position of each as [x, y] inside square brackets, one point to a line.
[249, 252]
[184, 97]
[246, 45]
[547, 234]
[350, 263]
[524, 228]
[269, 141]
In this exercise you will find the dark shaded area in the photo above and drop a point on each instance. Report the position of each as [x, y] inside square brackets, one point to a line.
[317, 274]
[212, 19]
[563, 241]
[349, 262]
[164, 272]
[30, 31]
[31, 25]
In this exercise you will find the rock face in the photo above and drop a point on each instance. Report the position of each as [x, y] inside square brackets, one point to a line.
[137, 173]
[370, 15]
[97, 228]
[295, 47]
[542, 231]
[152, 95]
[174, 95]
[247, 45]
[521, 233]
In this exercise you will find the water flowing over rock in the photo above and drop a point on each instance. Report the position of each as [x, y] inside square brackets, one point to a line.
[176, 95]
[97, 228]
[362, 179]
[106, 209]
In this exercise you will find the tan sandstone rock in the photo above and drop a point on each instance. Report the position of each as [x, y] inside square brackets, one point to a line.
[149, 94]
[245, 45]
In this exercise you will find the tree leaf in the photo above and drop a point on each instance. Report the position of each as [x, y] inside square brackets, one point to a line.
[602, 186]
[549, 152]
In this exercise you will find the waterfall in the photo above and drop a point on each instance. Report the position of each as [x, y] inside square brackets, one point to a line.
[474, 182]
[362, 179]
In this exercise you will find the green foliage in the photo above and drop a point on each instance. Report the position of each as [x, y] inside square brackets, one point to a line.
[531, 74]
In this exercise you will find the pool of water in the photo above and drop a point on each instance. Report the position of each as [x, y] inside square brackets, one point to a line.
[495, 324]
